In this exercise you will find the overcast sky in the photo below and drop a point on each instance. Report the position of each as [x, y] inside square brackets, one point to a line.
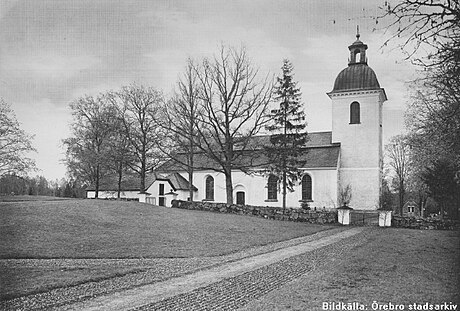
[53, 52]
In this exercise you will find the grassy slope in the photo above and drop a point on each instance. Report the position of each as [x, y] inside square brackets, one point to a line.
[110, 229]
[401, 266]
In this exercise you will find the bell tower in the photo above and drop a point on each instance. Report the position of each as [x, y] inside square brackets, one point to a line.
[357, 101]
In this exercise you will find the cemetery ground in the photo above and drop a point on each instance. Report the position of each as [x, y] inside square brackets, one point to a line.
[52, 245]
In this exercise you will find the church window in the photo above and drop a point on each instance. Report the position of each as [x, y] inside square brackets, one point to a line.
[306, 188]
[272, 187]
[354, 113]
[209, 188]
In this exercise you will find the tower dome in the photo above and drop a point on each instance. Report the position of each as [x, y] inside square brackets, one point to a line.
[358, 75]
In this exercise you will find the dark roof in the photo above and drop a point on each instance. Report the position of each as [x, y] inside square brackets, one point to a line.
[110, 183]
[319, 152]
[356, 77]
[179, 182]
[130, 182]
[314, 139]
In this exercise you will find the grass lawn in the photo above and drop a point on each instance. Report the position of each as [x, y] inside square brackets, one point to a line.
[401, 266]
[18, 198]
[111, 229]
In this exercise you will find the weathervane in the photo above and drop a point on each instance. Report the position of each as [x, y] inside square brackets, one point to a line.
[357, 32]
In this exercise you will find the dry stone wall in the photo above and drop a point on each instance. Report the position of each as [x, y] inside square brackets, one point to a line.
[424, 223]
[276, 213]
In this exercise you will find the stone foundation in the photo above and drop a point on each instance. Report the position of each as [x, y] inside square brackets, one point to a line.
[276, 213]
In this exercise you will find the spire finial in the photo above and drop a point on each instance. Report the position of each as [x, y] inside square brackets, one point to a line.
[357, 32]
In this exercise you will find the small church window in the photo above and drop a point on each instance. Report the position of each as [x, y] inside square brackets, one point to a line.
[272, 187]
[209, 188]
[354, 113]
[306, 188]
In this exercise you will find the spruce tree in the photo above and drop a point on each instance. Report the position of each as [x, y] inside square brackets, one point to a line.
[288, 136]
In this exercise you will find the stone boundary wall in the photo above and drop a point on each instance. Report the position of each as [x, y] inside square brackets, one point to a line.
[276, 213]
[424, 223]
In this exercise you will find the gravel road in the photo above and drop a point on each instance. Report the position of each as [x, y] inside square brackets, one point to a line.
[227, 294]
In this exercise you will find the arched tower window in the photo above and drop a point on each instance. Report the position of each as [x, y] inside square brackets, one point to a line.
[272, 187]
[209, 188]
[306, 188]
[354, 113]
[357, 56]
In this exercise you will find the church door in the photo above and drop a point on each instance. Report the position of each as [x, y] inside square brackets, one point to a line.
[240, 198]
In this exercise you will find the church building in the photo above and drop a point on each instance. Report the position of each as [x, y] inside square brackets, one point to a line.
[350, 155]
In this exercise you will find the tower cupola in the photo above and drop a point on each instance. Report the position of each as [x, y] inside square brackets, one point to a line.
[357, 51]
[357, 75]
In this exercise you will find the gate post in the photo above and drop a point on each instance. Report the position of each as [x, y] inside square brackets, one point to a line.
[384, 218]
[343, 215]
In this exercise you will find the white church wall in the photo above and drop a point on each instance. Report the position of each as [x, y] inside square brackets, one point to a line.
[365, 187]
[356, 140]
[113, 194]
[360, 145]
[324, 188]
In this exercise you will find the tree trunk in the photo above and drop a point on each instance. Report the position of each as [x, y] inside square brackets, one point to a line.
[229, 187]
[284, 151]
[190, 173]
[120, 176]
[190, 184]
[284, 190]
[142, 172]
[97, 182]
[443, 204]
[401, 200]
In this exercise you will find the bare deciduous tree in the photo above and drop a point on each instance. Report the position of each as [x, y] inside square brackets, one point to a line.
[398, 152]
[433, 23]
[15, 144]
[431, 33]
[179, 120]
[87, 148]
[119, 156]
[234, 103]
[139, 107]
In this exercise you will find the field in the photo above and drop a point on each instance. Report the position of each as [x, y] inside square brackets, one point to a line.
[385, 265]
[401, 266]
[110, 229]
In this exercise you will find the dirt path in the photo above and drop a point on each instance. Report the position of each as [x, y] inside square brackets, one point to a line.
[230, 276]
